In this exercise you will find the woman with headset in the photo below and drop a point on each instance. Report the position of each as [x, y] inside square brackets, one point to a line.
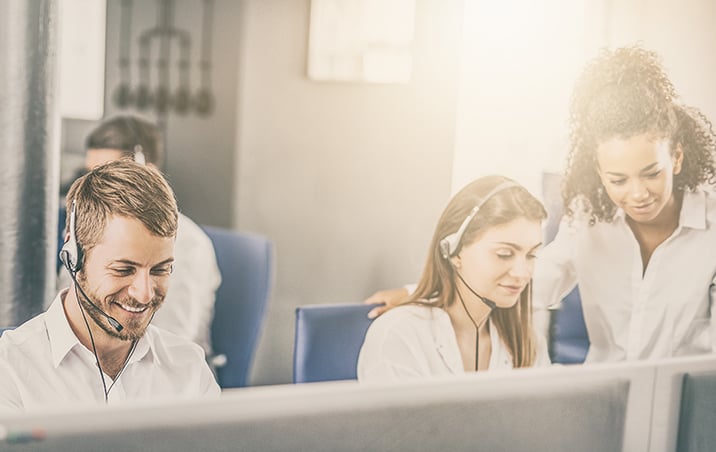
[471, 310]
[640, 214]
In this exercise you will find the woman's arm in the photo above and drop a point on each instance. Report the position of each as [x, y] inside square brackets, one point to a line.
[555, 275]
[388, 298]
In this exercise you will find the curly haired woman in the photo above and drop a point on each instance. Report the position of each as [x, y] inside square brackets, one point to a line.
[640, 225]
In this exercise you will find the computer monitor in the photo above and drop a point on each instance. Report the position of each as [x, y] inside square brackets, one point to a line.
[557, 409]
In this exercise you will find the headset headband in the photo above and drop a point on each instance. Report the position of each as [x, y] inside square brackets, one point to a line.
[450, 244]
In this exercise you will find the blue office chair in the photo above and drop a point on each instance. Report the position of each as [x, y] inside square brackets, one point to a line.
[569, 341]
[568, 338]
[697, 415]
[246, 265]
[328, 341]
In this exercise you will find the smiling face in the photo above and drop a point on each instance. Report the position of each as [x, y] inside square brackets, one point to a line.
[126, 274]
[500, 262]
[638, 175]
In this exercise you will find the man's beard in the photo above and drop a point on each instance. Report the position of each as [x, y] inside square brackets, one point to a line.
[132, 329]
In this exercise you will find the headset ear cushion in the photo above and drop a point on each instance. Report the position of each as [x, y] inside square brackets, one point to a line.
[71, 254]
[65, 258]
[445, 250]
[80, 258]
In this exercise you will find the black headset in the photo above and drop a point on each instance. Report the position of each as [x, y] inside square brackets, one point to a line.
[450, 244]
[449, 247]
[71, 256]
[71, 253]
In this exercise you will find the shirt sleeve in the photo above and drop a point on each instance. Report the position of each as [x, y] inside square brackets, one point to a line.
[63, 281]
[555, 275]
[211, 387]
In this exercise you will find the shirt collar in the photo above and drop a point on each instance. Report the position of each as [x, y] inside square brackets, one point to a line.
[693, 210]
[63, 340]
[146, 347]
[446, 342]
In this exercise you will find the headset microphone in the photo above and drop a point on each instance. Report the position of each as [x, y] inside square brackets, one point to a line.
[71, 257]
[489, 303]
[112, 321]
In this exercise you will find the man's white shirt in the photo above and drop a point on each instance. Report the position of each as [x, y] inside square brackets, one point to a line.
[43, 364]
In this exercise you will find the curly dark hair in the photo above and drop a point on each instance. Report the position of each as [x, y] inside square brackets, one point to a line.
[620, 94]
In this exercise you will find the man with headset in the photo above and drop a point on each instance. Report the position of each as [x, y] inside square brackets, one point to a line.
[94, 343]
[191, 295]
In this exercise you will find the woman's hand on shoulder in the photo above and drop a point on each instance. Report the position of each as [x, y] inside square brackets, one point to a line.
[386, 299]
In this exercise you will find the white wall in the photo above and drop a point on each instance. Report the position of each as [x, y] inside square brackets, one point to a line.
[521, 59]
[683, 33]
[348, 179]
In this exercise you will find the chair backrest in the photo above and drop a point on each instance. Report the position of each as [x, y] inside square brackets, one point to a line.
[698, 412]
[328, 341]
[246, 263]
[569, 341]
[568, 338]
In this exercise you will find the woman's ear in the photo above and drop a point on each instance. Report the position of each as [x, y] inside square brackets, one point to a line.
[456, 261]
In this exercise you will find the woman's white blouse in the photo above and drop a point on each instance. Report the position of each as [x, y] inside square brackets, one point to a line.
[630, 313]
[418, 341]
